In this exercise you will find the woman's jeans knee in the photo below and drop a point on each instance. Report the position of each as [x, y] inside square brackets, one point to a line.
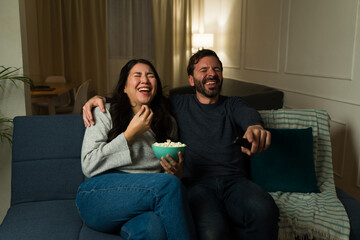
[106, 202]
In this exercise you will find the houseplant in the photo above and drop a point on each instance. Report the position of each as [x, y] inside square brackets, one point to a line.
[10, 74]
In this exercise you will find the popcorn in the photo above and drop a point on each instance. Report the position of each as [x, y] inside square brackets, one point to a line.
[169, 143]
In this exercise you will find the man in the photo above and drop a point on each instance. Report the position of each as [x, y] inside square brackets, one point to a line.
[221, 198]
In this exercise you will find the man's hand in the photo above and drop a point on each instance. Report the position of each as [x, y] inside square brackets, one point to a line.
[175, 168]
[259, 138]
[139, 124]
[96, 101]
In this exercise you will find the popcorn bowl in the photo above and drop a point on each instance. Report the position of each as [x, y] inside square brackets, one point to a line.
[162, 151]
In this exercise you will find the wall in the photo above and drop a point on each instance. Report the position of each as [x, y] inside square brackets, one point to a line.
[12, 99]
[310, 50]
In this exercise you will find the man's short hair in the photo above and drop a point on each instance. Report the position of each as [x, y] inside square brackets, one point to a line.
[199, 55]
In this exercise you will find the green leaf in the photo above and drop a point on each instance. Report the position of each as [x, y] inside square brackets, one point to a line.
[10, 74]
[5, 129]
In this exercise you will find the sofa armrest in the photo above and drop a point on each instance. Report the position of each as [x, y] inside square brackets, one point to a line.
[352, 207]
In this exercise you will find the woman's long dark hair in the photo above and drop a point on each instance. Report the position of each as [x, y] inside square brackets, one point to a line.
[121, 111]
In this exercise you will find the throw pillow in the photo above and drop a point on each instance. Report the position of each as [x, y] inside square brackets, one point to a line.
[288, 164]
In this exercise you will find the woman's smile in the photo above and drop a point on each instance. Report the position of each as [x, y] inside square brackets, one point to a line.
[140, 86]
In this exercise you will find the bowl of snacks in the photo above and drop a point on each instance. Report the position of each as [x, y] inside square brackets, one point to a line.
[168, 148]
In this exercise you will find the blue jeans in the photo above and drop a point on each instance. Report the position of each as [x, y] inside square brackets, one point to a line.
[136, 206]
[223, 206]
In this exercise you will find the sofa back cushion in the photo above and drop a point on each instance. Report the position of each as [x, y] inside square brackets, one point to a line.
[257, 96]
[46, 157]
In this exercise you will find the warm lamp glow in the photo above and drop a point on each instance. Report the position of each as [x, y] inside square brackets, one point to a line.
[202, 40]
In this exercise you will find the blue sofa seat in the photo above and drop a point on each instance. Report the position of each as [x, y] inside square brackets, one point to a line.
[55, 219]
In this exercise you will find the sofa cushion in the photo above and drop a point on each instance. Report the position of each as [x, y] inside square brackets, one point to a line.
[46, 166]
[288, 164]
[48, 220]
[45, 179]
[42, 220]
[257, 96]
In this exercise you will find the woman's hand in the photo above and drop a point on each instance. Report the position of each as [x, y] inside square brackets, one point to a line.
[259, 138]
[139, 124]
[175, 168]
[96, 101]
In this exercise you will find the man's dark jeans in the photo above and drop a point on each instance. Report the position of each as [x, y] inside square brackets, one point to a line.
[223, 206]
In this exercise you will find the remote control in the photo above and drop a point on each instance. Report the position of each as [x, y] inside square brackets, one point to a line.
[243, 142]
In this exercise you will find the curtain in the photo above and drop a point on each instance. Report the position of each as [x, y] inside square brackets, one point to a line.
[157, 30]
[72, 39]
[182, 41]
[130, 34]
[172, 40]
[130, 29]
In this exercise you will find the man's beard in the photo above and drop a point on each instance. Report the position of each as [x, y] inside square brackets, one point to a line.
[211, 92]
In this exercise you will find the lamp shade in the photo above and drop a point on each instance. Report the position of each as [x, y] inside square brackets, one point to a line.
[202, 40]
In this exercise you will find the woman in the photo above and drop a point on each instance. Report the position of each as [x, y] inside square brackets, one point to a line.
[125, 189]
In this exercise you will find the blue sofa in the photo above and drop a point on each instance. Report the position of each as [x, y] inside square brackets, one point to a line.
[46, 173]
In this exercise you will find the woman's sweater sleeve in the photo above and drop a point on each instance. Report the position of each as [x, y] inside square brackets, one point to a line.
[97, 155]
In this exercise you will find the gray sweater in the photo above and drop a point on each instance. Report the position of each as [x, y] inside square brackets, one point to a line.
[98, 156]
